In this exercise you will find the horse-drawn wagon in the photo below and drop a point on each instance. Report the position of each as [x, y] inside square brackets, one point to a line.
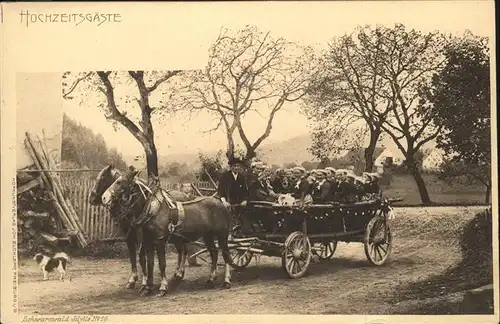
[296, 234]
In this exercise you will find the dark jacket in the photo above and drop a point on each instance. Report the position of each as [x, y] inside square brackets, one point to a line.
[277, 185]
[303, 189]
[261, 191]
[346, 192]
[233, 190]
[322, 194]
[333, 187]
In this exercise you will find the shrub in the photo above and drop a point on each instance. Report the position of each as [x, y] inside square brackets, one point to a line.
[476, 241]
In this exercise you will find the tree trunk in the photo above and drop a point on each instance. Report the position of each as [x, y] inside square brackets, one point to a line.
[487, 195]
[230, 146]
[422, 188]
[250, 154]
[370, 150]
[151, 159]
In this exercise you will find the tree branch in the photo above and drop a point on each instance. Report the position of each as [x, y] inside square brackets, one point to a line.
[166, 77]
[115, 114]
[73, 87]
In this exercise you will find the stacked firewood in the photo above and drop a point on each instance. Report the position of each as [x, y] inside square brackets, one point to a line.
[45, 215]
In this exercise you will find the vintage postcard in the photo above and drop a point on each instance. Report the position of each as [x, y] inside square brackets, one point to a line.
[327, 161]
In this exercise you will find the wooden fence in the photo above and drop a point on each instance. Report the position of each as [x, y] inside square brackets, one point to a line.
[96, 220]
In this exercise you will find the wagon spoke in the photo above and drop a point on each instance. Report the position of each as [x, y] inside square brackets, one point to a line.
[299, 267]
[372, 251]
[294, 266]
[385, 251]
[289, 263]
[378, 252]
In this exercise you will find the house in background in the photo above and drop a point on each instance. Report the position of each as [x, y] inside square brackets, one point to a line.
[389, 157]
[433, 160]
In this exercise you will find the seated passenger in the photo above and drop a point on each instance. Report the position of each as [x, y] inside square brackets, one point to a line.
[298, 178]
[287, 182]
[367, 182]
[277, 182]
[261, 190]
[359, 182]
[330, 177]
[346, 191]
[374, 185]
[322, 190]
[303, 187]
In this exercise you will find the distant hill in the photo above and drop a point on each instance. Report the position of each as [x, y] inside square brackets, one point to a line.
[287, 151]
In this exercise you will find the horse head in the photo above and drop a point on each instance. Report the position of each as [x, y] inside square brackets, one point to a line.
[104, 179]
[120, 188]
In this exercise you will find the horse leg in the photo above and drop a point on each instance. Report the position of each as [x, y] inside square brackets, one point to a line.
[131, 245]
[182, 254]
[142, 263]
[162, 263]
[214, 253]
[223, 244]
[181, 260]
[150, 263]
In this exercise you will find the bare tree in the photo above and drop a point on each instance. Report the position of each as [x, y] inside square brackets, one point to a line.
[410, 59]
[348, 88]
[248, 71]
[114, 108]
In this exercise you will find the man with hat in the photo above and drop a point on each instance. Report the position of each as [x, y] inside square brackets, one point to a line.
[233, 187]
[346, 191]
[374, 185]
[322, 191]
[303, 185]
[330, 177]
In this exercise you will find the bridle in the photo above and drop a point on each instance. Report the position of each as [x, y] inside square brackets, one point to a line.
[145, 217]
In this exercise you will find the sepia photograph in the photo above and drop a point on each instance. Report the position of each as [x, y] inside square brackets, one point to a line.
[330, 166]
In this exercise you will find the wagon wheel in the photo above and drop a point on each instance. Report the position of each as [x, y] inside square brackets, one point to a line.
[296, 255]
[377, 247]
[240, 259]
[327, 250]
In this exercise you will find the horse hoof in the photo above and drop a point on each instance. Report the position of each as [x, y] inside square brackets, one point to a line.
[145, 291]
[226, 285]
[210, 284]
[162, 293]
[130, 285]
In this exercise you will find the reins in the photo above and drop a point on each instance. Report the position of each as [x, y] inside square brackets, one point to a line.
[146, 217]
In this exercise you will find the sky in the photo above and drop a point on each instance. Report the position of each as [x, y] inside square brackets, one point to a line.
[313, 25]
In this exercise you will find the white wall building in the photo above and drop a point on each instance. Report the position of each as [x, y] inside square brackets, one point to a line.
[433, 160]
[397, 158]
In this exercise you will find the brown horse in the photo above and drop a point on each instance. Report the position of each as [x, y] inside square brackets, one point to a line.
[121, 212]
[166, 220]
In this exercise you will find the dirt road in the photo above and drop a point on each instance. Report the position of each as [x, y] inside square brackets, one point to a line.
[347, 284]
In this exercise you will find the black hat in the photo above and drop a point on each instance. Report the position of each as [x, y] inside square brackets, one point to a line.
[234, 160]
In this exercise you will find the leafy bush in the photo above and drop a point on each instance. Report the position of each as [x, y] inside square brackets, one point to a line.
[476, 242]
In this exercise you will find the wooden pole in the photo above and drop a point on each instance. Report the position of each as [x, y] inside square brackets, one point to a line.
[58, 186]
[211, 179]
[196, 189]
[40, 163]
[59, 210]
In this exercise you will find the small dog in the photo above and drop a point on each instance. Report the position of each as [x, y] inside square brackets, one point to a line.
[48, 264]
